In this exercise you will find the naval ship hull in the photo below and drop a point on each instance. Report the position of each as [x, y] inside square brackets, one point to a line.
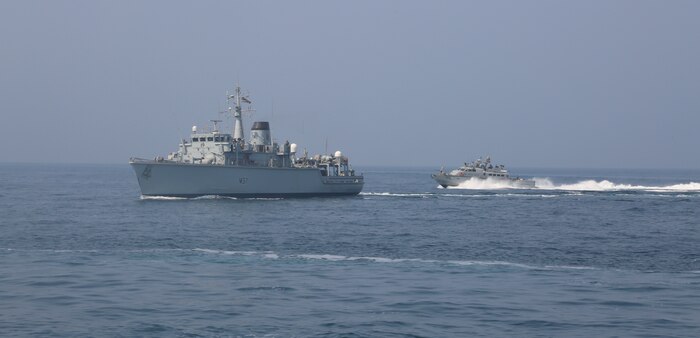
[452, 181]
[192, 180]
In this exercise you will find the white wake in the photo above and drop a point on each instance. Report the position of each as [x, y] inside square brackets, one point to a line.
[585, 185]
[486, 184]
[605, 185]
[207, 197]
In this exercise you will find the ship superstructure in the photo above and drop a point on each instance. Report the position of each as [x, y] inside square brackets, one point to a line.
[216, 163]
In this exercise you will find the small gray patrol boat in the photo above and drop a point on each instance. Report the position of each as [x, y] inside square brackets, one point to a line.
[481, 170]
[215, 163]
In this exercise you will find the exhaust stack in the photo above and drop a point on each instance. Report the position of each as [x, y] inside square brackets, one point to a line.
[260, 135]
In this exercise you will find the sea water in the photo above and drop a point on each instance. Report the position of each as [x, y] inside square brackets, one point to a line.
[589, 253]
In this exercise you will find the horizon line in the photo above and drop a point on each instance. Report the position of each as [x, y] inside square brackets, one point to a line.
[378, 166]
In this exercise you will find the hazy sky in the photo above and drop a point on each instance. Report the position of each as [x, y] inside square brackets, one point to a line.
[532, 83]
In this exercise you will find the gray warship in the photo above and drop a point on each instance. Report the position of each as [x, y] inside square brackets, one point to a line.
[221, 164]
[481, 170]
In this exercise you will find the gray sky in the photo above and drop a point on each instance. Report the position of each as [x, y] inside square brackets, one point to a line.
[532, 83]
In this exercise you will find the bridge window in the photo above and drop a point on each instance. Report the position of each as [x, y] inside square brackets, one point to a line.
[210, 139]
[217, 139]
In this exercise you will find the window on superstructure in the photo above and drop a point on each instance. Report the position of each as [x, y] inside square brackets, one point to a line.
[210, 139]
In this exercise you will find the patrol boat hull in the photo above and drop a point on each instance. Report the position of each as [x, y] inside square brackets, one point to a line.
[446, 180]
[481, 170]
[192, 180]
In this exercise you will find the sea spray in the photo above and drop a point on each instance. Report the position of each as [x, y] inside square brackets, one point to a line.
[584, 185]
[605, 185]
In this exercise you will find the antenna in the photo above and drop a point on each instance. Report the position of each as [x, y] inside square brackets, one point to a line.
[216, 125]
[228, 102]
[222, 115]
[222, 112]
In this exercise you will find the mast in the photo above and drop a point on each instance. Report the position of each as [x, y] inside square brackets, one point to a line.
[238, 112]
[238, 126]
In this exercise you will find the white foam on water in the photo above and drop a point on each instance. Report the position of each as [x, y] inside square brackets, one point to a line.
[585, 185]
[214, 197]
[389, 260]
[162, 198]
[208, 197]
[569, 267]
[461, 195]
[422, 195]
[68, 250]
[172, 198]
[667, 195]
[489, 183]
[226, 252]
[605, 185]
[487, 263]
[337, 258]
[324, 257]
[427, 195]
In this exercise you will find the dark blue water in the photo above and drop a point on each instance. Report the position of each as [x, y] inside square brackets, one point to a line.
[597, 253]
